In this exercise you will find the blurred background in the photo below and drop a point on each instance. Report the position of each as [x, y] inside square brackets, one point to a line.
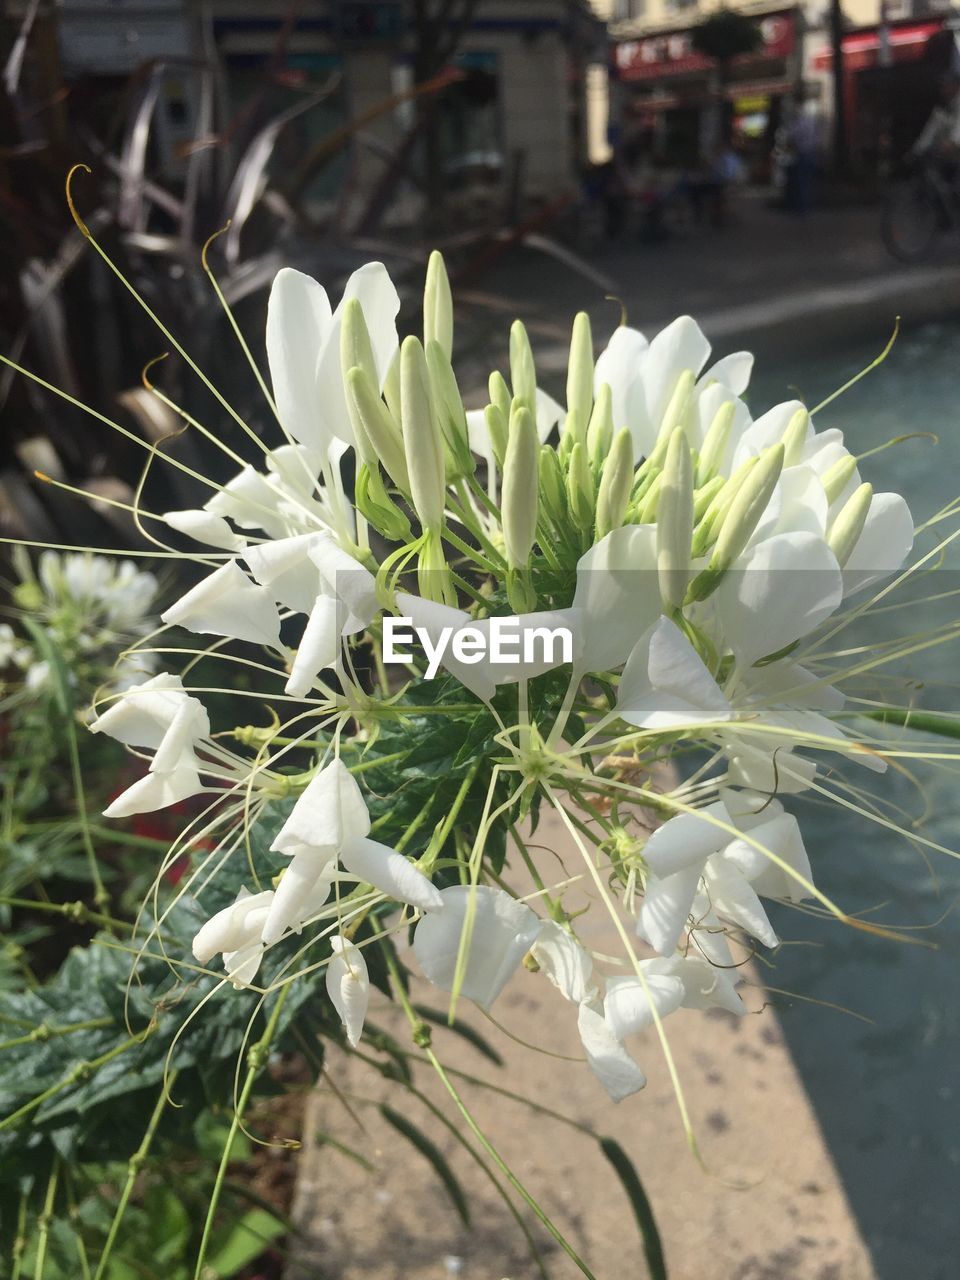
[788, 174]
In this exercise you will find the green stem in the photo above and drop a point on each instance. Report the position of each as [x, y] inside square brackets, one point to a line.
[79, 912]
[46, 1217]
[505, 1169]
[75, 1223]
[923, 721]
[133, 1168]
[100, 895]
[20, 1240]
[256, 1060]
[43, 1032]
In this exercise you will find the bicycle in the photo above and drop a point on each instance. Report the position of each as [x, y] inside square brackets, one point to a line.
[919, 210]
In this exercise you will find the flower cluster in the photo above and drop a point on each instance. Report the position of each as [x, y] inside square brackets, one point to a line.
[696, 555]
[90, 611]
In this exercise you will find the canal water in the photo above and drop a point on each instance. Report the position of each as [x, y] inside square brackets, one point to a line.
[887, 1091]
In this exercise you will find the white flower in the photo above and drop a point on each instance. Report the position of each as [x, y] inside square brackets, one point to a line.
[666, 685]
[618, 595]
[565, 962]
[227, 603]
[607, 1056]
[303, 349]
[503, 931]
[235, 932]
[161, 716]
[348, 986]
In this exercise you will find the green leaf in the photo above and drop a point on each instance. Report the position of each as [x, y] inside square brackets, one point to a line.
[432, 1153]
[246, 1241]
[643, 1213]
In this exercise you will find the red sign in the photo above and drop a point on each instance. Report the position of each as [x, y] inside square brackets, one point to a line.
[673, 54]
[861, 48]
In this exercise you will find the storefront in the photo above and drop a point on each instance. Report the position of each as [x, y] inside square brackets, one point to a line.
[670, 92]
[890, 85]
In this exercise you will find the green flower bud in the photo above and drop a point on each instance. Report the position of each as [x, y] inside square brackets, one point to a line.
[438, 306]
[715, 442]
[523, 373]
[675, 522]
[375, 505]
[434, 579]
[836, 478]
[677, 404]
[747, 507]
[375, 428]
[391, 387]
[580, 368]
[453, 417]
[356, 351]
[647, 506]
[580, 493]
[795, 437]
[497, 426]
[615, 484]
[574, 431]
[703, 497]
[422, 437]
[520, 497]
[600, 430]
[847, 527]
[499, 394]
[553, 497]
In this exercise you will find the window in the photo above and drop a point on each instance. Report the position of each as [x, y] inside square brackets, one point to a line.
[629, 8]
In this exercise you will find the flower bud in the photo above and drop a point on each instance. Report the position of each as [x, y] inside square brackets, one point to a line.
[520, 497]
[500, 396]
[497, 426]
[600, 430]
[748, 505]
[675, 522]
[648, 504]
[391, 386]
[574, 431]
[553, 498]
[715, 443]
[453, 418]
[356, 351]
[795, 437]
[434, 579]
[836, 478]
[703, 497]
[523, 373]
[437, 306]
[374, 427]
[847, 527]
[580, 494]
[422, 437]
[677, 404]
[615, 484]
[580, 368]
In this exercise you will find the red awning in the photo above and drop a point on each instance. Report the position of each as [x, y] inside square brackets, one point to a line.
[860, 48]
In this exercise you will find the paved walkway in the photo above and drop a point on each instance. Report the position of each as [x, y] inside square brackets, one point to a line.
[770, 1207]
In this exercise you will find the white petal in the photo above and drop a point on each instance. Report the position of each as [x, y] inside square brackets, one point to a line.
[629, 1001]
[733, 371]
[707, 987]
[242, 965]
[733, 899]
[568, 966]
[205, 527]
[308, 869]
[665, 683]
[227, 930]
[348, 580]
[434, 618]
[228, 604]
[681, 346]
[768, 429]
[390, 872]
[348, 987]
[504, 930]
[686, 839]
[248, 501]
[285, 567]
[330, 812]
[185, 729]
[619, 365]
[884, 544]
[665, 908]
[299, 320]
[141, 717]
[618, 594]
[608, 1059]
[319, 646]
[156, 791]
[548, 414]
[778, 592]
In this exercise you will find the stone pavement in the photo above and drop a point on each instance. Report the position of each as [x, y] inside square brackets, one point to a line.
[769, 1206]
